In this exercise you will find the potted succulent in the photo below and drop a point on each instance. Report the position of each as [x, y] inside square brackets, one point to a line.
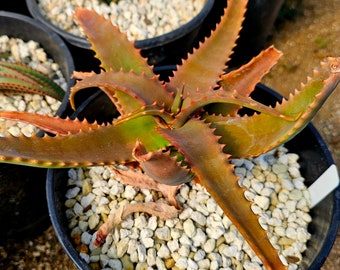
[159, 44]
[169, 133]
[314, 159]
[26, 42]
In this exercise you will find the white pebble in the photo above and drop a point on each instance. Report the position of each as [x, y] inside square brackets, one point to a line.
[175, 233]
[160, 264]
[78, 209]
[279, 168]
[122, 247]
[140, 222]
[148, 242]
[262, 201]
[93, 221]
[257, 186]
[199, 238]
[299, 183]
[129, 192]
[199, 218]
[163, 252]
[115, 264]
[184, 250]
[185, 240]
[192, 265]
[87, 200]
[287, 184]
[295, 195]
[209, 245]
[291, 233]
[291, 205]
[199, 255]
[182, 263]
[72, 192]
[86, 238]
[186, 213]
[141, 253]
[151, 256]
[173, 245]
[163, 233]
[152, 223]
[85, 257]
[189, 227]
[204, 264]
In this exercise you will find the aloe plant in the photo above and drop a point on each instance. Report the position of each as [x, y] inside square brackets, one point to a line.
[174, 132]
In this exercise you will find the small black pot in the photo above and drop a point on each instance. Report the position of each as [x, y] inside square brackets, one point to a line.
[256, 30]
[23, 206]
[169, 47]
[314, 160]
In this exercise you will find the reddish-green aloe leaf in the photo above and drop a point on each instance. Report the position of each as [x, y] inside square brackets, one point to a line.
[111, 46]
[211, 166]
[55, 125]
[244, 79]
[249, 136]
[104, 145]
[161, 166]
[203, 67]
[127, 90]
[225, 98]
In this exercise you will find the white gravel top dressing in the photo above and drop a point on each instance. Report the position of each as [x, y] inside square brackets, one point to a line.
[31, 54]
[140, 19]
[201, 237]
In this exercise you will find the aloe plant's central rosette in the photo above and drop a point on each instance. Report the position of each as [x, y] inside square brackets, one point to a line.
[176, 131]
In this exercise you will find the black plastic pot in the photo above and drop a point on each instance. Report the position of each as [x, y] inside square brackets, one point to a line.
[23, 206]
[17, 6]
[160, 50]
[256, 30]
[314, 160]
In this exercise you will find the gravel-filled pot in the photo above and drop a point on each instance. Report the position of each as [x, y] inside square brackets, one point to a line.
[314, 159]
[160, 46]
[23, 207]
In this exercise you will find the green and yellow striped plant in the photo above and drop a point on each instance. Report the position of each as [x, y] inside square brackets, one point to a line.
[18, 78]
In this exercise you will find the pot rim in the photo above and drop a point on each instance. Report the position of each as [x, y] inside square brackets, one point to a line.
[141, 44]
[58, 45]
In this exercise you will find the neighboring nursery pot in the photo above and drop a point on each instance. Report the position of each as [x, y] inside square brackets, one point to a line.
[314, 160]
[256, 29]
[23, 207]
[166, 48]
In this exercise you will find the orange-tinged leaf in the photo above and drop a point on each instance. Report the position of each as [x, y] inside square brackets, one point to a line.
[244, 79]
[104, 145]
[55, 125]
[253, 135]
[203, 67]
[160, 166]
[206, 159]
[127, 90]
[112, 48]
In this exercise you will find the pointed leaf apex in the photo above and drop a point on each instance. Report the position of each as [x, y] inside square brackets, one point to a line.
[112, 47]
